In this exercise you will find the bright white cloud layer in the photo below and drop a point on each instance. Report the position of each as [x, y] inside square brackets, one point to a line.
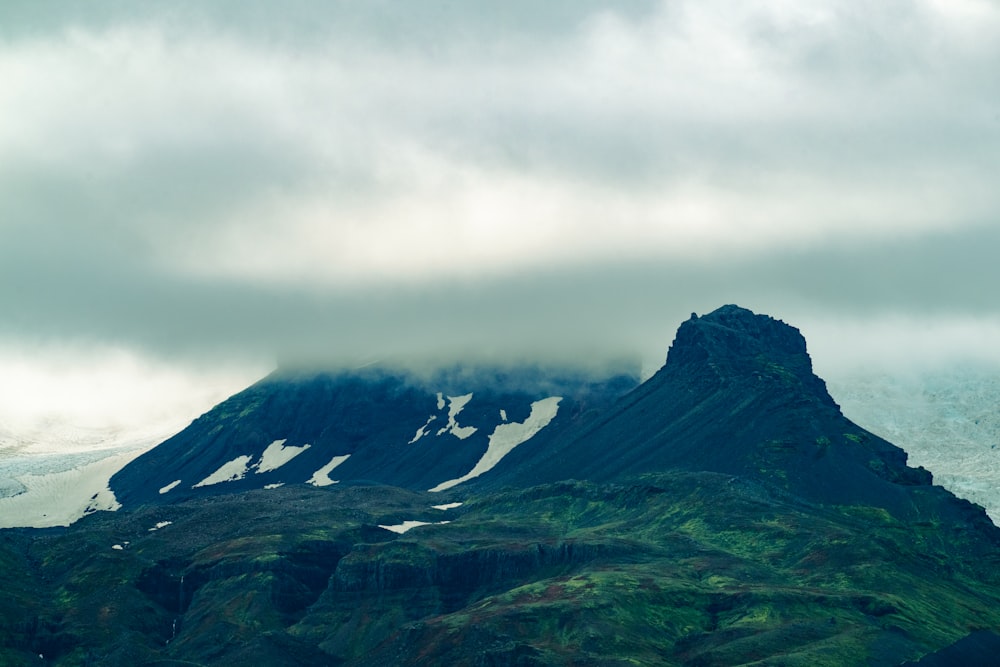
[54, 398]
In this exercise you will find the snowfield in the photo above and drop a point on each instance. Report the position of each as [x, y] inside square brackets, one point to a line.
[446, 506]
[55, 477]
[422, 431]
[322, 476]
[948, 422]
[506, 437]
[272, 458]
[408, 525]
[59, 493]
[277, 455]
[230, 471]
[170, 487]
[455, 406]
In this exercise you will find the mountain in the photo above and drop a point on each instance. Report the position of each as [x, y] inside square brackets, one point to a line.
[724, 512]
[737, 395]
[369, 425]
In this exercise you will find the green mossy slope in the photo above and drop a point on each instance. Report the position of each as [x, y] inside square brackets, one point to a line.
[679, 568]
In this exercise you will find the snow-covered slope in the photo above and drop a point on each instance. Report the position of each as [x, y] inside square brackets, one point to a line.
[64, 481]
[363, 426]
[948, 422]
[55, 470]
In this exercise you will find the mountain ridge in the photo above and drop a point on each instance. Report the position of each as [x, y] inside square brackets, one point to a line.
[737, 395]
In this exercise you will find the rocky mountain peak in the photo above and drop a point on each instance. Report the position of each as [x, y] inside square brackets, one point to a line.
[733, 341]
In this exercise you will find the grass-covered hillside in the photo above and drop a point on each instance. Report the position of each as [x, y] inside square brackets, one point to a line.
[683, 568]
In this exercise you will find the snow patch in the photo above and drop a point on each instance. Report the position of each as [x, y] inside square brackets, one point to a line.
[117, 547]
[440, 398]
[407, 525]
[160, 524]
[169, 487]
[422, 431]
[274, 486]
[503, 415]
[277, 455]
[102, 501]
[322, 476]
[506, 437]
[229, 472]
[446, 506]
[455, 406]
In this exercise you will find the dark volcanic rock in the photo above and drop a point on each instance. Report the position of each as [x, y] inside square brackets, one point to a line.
[738, 395]
[733, 342]
[385, 427]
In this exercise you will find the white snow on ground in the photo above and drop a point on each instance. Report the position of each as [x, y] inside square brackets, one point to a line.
[422, 431]
[102, 501]
[58, 494]
[322, 476]
[506, 437]
[447, 506]
[407, 525]
[54, 474]
[456, 403]
[274, 486]
[947, 421]
[277, 455]
[440, 398]
[229, 472]
[170, 487]
[503, 415]
[160, 524]
[70, 419]
[117, 547]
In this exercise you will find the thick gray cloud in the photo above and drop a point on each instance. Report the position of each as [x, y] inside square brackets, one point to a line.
[343, 180]
[610, 308]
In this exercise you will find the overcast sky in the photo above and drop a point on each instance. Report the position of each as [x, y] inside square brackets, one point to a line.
[193, 191]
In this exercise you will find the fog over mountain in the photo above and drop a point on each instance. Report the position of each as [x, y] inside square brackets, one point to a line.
[215, 188]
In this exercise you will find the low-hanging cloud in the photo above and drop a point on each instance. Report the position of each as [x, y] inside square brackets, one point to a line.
[342, 180]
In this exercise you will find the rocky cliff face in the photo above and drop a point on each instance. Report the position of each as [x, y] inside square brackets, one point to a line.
[732, 344]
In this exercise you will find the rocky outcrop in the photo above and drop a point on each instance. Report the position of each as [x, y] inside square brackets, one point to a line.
[459, 576]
